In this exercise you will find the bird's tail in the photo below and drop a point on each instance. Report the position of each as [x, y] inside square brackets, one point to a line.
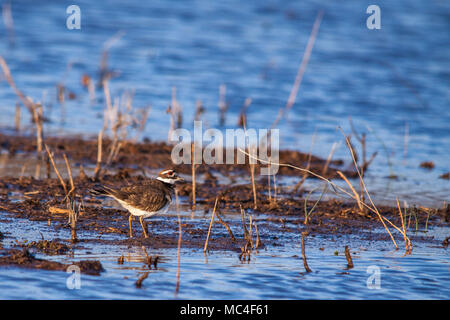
[101, 191]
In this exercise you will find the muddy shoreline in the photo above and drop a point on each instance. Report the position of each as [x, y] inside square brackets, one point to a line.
[43, 200]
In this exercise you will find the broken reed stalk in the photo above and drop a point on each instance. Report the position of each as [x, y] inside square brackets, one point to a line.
[9, 23]
[107, 98]
[17, 118]
[358, 199]
[28, 103]
[199, 109]
[244, 226]
[349, 258]
[274, 188]
[250, 233]
[38, 119]
[405, 142]
[305, 263]
[428, 218]
[361, 139]
[114, 154]
[330, 156]
[258, 241]
[243, 218]
[252, 149]
[299, 185]
[69, 171]
[365, 189]
[142, 121]
[210, 225]
[308, 213]
[252, 174]
[233, 239]
[63, 184]
[408, 246]
[193, 174]
[242, 120]
[57, 210]
[365, 164]
[301, 68]
[141, 279]
[98, 167]
[335, 187]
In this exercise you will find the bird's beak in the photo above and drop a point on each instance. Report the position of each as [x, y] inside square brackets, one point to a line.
[179, 179]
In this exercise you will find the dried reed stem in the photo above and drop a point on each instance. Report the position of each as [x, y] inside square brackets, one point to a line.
[69, 171]
[233, 239]
[405, 142]
[305, 263]
[17, 117]
[178, 256]
[9, 23]
[408, 245]
[37, 117]
[222, 104]
[107, 97]
[210, 225]
[243, 223]
[25, 100]
[365, 189]
[308, 213]
[63, 184]
[193, 173]
[299, 185]
[335, 186]
[349, 258]
[258, 241]
[268, 182]
[199, 109]
[250, 233]
[141, 279]
[99, 155]
[330, 156]
[358, 199]
[28, 103]
[252, 174]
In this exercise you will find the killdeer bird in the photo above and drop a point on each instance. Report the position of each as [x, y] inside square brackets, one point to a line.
[145, 200]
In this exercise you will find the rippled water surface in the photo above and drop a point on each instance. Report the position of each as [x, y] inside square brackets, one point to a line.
[271, 273]
[390, 81]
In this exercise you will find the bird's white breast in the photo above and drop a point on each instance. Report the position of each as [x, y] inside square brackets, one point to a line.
[138, 212]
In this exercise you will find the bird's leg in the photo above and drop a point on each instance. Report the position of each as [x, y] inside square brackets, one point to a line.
[141, 219]
[130, 219]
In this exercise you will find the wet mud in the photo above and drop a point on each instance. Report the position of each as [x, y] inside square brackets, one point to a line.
[44, 200]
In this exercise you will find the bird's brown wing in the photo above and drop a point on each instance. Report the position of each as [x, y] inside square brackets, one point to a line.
[144, 197]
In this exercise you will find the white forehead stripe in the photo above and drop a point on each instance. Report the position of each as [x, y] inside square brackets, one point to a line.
[166, 171]
[171, 181]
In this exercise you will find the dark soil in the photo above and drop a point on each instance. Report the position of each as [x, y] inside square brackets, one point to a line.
[157, 155]
[25, 259]
[273, 217]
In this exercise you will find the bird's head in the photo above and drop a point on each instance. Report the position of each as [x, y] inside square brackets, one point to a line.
[169, 176]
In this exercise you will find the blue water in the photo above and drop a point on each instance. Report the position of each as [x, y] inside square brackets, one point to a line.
[272, 272]
[384, 79]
